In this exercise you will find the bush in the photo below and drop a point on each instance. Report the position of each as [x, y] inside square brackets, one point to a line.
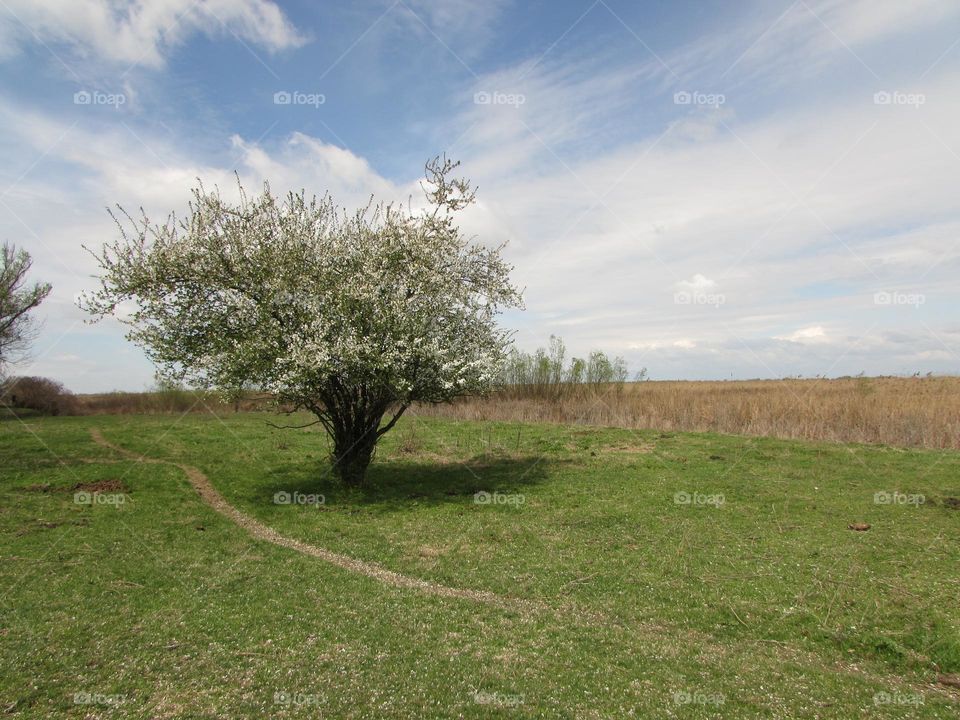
[42, 395]
[545, 375]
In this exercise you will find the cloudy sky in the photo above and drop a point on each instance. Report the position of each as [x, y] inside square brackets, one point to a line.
[710, 189]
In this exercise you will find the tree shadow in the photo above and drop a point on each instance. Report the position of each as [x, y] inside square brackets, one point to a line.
[9, 414]
[393, 484]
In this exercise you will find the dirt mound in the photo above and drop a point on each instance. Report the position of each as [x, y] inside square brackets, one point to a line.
[104, 486]
[101, 486]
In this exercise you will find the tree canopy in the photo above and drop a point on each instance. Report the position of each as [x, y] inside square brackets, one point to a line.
[345, 315]
[17, 299]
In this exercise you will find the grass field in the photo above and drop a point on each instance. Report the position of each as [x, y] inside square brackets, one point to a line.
[639, 574]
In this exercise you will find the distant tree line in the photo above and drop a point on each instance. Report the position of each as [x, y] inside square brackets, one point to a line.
[546, 373]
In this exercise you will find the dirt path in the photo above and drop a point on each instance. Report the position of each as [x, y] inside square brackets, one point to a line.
[258, 530]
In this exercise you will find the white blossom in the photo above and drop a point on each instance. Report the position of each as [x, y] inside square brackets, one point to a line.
[302, 299]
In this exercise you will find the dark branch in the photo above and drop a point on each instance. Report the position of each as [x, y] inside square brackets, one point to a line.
[386, 428]
[293, 427]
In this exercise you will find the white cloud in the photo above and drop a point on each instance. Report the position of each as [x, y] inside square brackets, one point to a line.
[141, 33]
[860, 22]
[304, 162]
[54, 218]
[464, 26]
[799, 214]
[697, 282]
[814, 333]
[779, 43]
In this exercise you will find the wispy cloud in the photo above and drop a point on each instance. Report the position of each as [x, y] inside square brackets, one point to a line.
[790, 228]
[140, 33]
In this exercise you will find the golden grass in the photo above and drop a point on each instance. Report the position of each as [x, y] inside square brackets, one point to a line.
[905, 412]
[164, 402]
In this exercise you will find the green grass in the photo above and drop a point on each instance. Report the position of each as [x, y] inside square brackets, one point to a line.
[764, 606]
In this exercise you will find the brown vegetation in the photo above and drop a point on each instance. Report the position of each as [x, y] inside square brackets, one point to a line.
[175, 400]
[24, 395]
[898, 411]
[37, 394]
[906, 412]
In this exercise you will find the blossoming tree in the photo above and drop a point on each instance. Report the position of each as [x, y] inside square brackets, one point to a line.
[351, 317]
[16, 303]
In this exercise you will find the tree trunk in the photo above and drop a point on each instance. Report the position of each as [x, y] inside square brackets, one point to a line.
[352, 416]
[353, 448]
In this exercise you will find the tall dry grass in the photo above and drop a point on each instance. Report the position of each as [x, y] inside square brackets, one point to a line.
[905, 412]
[166, 401]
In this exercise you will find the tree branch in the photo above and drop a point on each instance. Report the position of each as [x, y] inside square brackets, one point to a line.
[393, 422]
[292, 427]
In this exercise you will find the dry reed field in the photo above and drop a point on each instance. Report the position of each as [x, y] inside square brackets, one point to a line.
[899, 411]
[906, 412]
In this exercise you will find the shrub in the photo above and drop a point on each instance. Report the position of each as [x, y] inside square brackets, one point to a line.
[42, 395]
[544, 375]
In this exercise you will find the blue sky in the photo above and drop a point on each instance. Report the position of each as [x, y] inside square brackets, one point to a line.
[710, 189]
